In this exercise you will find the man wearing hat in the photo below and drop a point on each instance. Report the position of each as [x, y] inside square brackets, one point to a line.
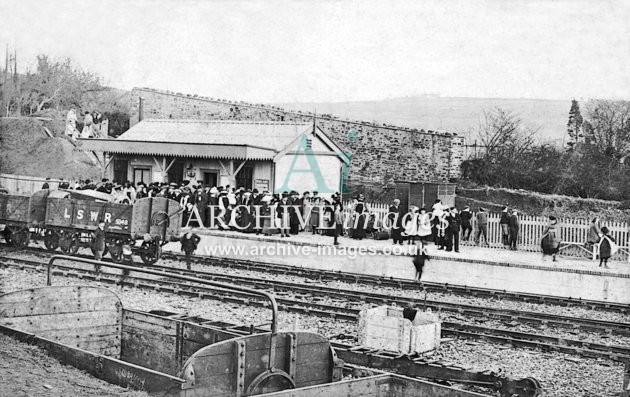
[395, 216]
[284, 215]
[359, 220]
[293, 212]
[504, 223]
[514, 223]
[466, 217]
[98, 241]
[482, 226]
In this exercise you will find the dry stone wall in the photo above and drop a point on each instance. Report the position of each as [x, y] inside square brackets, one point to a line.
[379, 153]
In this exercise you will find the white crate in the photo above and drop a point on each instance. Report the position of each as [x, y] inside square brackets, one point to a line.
[384, 328]
[426, 332]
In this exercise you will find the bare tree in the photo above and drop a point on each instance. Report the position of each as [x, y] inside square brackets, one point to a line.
[502, 133]
[608, 127]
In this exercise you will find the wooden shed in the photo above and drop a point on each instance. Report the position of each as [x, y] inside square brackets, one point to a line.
[424, 194]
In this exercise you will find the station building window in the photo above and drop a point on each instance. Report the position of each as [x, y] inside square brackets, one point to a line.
[120, 171]
[244, 177]
[141, 175]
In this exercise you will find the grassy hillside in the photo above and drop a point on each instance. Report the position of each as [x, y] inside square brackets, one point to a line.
[25, 149]
[448, 114]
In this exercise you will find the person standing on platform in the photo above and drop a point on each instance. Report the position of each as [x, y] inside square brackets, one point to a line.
[395, 216]
[607, 248]
[338, 222]
[360, 211]
[504, 223]
[412, 225]
[284, 215]
[98, 241]
[594, 234]
[424, 227]
[295, 206]
[454, 225]
[551, 239]
[46, 185]
[466, 217]
[189, 242]
[315, 213]
[436, 213]
[514, 224]
[482, 226]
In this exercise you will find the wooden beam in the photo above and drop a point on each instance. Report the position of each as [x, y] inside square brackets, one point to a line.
[170, 164]
[108, 162]
[224, 169]
[98, 159]
[156, 163]
[239, 167]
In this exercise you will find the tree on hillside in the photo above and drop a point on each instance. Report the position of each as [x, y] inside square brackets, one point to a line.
[502, 133]
[574, 126]
[507, 150]
[58, 85]
[608, 127]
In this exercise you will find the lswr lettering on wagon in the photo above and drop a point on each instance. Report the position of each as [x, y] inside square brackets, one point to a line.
[93, 215]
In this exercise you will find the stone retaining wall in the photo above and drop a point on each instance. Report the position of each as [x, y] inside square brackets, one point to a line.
[379, 153]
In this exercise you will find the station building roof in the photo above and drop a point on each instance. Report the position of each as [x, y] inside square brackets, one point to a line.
[205, 139]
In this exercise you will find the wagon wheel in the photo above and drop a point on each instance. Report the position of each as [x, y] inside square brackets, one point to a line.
[7, 233]
[20, 239]
[150, 253]
[72, 248]
[51, 240]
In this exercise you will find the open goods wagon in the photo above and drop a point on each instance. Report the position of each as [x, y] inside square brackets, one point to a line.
[87, 327]
[66, 219]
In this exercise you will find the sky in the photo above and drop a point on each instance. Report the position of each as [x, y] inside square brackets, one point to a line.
[335, 50]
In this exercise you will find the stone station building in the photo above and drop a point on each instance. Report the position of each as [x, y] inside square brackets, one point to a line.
[274, 156]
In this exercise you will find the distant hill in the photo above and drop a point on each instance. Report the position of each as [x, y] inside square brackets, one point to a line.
[448, 114]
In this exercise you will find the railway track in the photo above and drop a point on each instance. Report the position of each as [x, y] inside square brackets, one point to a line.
[401, 284]
[480, 312]
[339, 311]
[463, 290]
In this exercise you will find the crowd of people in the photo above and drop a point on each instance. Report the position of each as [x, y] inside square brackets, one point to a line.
[91, 125]
[290, 213]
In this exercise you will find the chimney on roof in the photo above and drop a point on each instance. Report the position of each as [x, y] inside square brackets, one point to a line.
[140, 109]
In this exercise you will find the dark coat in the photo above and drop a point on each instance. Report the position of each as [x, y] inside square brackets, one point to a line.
[189, 244]
[98, 240]
[454, 222]
[505, 218]
[550, 243]
[604, 246]
[465, 216]
[514, 223]
[398, 219]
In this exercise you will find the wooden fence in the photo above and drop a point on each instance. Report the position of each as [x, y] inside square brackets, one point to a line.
[573, 232]
[20, 184]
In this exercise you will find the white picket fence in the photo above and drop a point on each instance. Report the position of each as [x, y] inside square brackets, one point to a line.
[573, 232]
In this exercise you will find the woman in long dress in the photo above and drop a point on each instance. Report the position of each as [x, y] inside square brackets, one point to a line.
[360, 218]
[315, 213]
[87, 126]
[607, 247]
[411, 228]
[268, 213]
[550, 242]
[424, 226]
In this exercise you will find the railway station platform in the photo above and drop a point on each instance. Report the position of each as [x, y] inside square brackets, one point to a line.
[480, 267]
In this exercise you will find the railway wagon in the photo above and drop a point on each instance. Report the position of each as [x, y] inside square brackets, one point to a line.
[66, 219]
[87, 327]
